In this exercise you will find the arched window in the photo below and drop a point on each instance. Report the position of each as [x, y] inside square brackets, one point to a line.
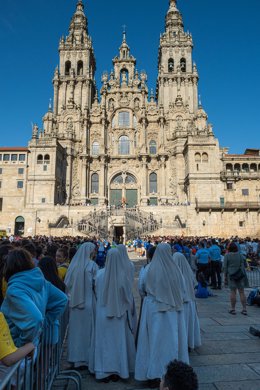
[229, 167]
[205, 157]
[95, 149]
[94, 183]
[118, 179]
[67, 68]
[80, 68]
[46, 159]
[237, 167]
[124, 119]
[253, 168]
[171, 65]
[245, 167]
[124, 145]
[39, 159]
[197, 157]
[152, 147]
[183, 64]
[130, 179]
[153, 183]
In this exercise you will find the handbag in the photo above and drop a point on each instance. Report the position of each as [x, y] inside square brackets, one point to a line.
[238, 275]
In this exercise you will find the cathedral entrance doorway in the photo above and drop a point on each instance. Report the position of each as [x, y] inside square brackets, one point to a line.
[119, 233]
[19, 226]
[123, 190]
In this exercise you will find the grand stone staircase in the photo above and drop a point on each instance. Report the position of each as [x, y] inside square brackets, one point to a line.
[101, 223]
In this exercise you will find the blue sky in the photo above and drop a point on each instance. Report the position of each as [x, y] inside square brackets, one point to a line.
[226, 36]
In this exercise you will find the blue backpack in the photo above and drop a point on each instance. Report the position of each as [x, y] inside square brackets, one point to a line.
[252, 295]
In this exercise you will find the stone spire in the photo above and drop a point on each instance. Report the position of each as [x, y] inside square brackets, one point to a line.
[124, 48]
[79, 21]
[173, 19]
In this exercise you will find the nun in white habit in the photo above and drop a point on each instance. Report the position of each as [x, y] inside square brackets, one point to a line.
[190, 310]
[162, 335]
[131, 276]
[79, 286]
[114, 345]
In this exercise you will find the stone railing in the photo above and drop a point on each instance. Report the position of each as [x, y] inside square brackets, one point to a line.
[61, 223]
[238, 175]
[95, 222]
[227, 206]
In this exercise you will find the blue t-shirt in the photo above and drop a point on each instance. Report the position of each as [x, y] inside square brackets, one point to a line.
[215, 253]
[203, 256]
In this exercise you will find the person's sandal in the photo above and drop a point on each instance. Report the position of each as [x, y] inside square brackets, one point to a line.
[244, 312]
[232, 311]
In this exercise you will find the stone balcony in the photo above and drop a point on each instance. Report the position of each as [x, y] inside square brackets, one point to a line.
[239, 175]
[227, 206]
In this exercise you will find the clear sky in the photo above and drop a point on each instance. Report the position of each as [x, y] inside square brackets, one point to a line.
[226, 36]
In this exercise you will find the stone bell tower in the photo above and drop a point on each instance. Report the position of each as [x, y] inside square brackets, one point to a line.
[74, 92]
[66, 125]
[74, 79]
[177, 74]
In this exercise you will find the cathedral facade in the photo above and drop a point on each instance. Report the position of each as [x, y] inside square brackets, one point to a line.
[108, 157]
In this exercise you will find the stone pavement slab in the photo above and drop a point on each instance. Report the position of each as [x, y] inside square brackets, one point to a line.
[242, 385]
[234, 372]
[229, 358]
[223, 359]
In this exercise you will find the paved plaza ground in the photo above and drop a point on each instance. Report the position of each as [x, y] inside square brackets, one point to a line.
[229, 358]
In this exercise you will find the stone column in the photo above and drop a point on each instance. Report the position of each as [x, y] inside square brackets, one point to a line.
[144, 182]
[84, 179]
[56, 97]
[65, 94]
[69, 176]
[102, 188]
[80, 93]
[163, 179]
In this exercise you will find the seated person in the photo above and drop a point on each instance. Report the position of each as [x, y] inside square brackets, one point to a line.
[179, 376]
[9, 354]
[202, 288]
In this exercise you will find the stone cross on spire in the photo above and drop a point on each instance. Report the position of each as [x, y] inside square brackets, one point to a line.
[124, 33]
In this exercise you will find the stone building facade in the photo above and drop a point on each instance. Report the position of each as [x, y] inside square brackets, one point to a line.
[128, 147]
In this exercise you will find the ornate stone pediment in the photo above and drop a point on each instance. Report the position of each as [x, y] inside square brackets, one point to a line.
[124, 101]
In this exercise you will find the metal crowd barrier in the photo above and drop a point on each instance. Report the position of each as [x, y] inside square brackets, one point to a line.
[45, 368]
[253, 276]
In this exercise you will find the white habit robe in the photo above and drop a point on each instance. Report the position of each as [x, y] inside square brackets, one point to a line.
[79, 281]
[190, 309]
[114, 344]
[162, 333]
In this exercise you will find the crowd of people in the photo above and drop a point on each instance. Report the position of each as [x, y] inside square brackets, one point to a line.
[39, 275]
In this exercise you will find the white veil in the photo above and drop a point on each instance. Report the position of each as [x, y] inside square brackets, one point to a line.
[187, 273]
[75, 277]
[165, 281]
[117, 290]
[130, 266]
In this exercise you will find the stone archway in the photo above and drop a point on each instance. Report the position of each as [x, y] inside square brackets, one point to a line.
[124, 190]
[19, 226]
